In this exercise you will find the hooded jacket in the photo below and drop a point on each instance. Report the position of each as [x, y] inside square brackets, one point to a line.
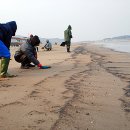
[7, 30]
[68, 34]
[48, 45]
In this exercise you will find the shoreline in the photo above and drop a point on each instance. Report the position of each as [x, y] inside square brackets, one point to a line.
[85, 89]
[115, 46]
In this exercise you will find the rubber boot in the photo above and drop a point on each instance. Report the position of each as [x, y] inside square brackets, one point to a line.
[4, 67]
[68, 49]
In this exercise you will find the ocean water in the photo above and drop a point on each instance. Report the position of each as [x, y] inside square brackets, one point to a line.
[117, 46]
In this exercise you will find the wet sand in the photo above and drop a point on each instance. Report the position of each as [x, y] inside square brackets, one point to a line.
[87, 89]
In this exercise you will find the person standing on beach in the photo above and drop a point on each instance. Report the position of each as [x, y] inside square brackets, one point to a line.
[67, 37]
[27, 54]
[7, 30]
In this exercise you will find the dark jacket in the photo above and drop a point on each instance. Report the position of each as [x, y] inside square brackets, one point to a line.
[7, 30]
[28, 50]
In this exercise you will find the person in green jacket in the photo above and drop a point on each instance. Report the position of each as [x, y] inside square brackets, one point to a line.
[67, 37]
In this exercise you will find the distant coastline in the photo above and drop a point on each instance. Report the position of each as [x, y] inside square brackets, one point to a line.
[116, 46]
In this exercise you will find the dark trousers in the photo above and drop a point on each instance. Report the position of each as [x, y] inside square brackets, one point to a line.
[22, 59]
[68, 46]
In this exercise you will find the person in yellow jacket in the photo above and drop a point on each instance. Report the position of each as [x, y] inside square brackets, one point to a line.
[67, 37]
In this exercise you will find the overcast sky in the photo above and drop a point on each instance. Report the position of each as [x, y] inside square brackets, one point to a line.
[90, 19]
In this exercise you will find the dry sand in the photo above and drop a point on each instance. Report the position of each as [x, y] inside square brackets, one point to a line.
[87, 89]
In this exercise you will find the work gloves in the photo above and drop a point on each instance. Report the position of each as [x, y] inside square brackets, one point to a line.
[43, 67]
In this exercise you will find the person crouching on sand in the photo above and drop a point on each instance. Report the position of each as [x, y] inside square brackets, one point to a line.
[48, 45]
[7, 30]
[27, 54]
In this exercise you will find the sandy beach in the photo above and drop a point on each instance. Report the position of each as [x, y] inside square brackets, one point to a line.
[87, 89]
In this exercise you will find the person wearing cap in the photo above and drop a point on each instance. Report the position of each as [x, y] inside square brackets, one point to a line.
[7, 30]
[27, 54]
[67, 37]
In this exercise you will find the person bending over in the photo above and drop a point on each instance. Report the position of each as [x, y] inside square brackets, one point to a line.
[27, 54]
[48, 45]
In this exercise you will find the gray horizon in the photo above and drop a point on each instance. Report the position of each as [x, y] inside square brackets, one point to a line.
[90, 19]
